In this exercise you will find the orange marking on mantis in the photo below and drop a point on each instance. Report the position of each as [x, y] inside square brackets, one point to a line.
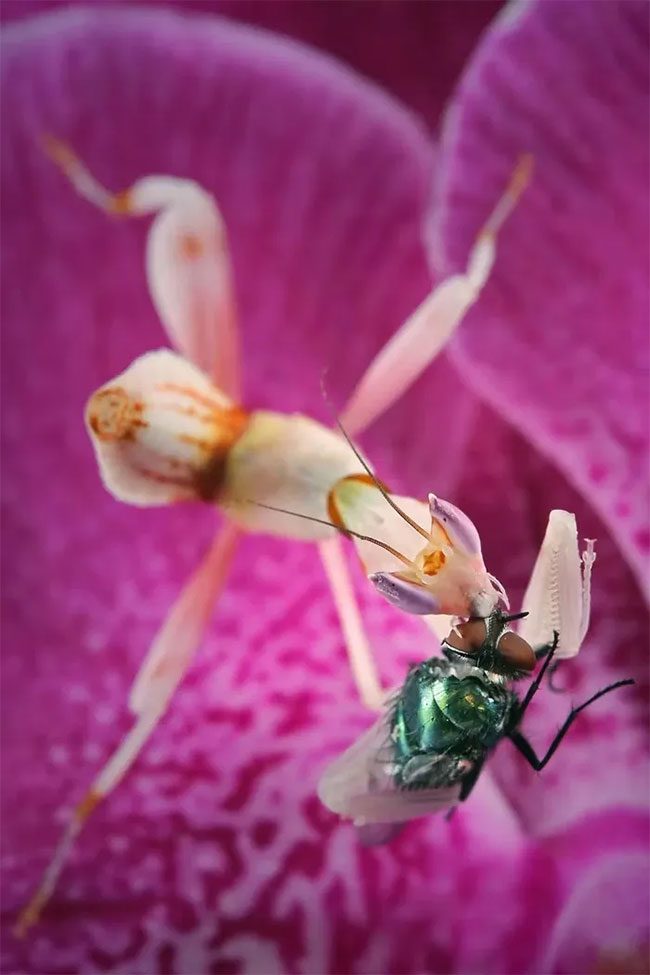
[122, 203]
[164, 478]
[87, 805]
[191, 393]
[227, 427]
[188, 411]
[333, 512]
[201, 442]
[59, 152]
[434, 562]
[28, 918]
[366, 479]
[113, 414]
[191, 247]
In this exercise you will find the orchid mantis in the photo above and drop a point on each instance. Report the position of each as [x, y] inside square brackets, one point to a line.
[172, 428]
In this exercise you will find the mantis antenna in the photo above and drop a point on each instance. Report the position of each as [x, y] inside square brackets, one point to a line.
[380, 487]
[330, 524]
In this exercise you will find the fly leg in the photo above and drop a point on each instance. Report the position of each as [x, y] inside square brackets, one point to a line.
[540, 654]
[523, 745]
[534, 687]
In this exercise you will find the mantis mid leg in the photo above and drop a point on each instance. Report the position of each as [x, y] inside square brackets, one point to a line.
[359, 652]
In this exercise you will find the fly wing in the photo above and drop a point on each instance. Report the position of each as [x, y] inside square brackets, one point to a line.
[376, 834]
[361, 783]
[558, 594]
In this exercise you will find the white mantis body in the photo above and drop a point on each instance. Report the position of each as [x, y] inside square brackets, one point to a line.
[171, 428]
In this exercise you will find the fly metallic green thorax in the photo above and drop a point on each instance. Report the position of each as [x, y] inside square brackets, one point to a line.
[444, 720]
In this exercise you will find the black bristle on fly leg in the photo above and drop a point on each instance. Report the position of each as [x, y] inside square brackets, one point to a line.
[542, 652]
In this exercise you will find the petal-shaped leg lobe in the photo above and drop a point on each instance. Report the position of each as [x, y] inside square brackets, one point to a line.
[288, 462]
[557, 596]
[188, 265]
[161, 431]
[410, 597]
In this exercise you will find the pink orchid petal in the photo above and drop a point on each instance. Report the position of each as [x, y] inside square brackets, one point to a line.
[221, 857]
[396, 52]
[605, 924]
[559, 343]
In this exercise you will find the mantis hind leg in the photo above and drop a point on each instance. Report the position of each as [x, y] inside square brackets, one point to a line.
[523, 745]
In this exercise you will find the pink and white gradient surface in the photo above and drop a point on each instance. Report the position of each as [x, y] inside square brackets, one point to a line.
[215, 855]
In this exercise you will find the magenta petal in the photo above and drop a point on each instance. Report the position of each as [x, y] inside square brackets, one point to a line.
[605, 923]
[559, 343]
[395, 53]
[215, 854]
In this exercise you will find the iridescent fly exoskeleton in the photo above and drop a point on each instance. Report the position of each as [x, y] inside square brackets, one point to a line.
[427, 749]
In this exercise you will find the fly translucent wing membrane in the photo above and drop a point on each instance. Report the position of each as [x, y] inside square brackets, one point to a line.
[361, 784]
[425, 333]
[188, 265]
[558, 594]
[377, 834]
